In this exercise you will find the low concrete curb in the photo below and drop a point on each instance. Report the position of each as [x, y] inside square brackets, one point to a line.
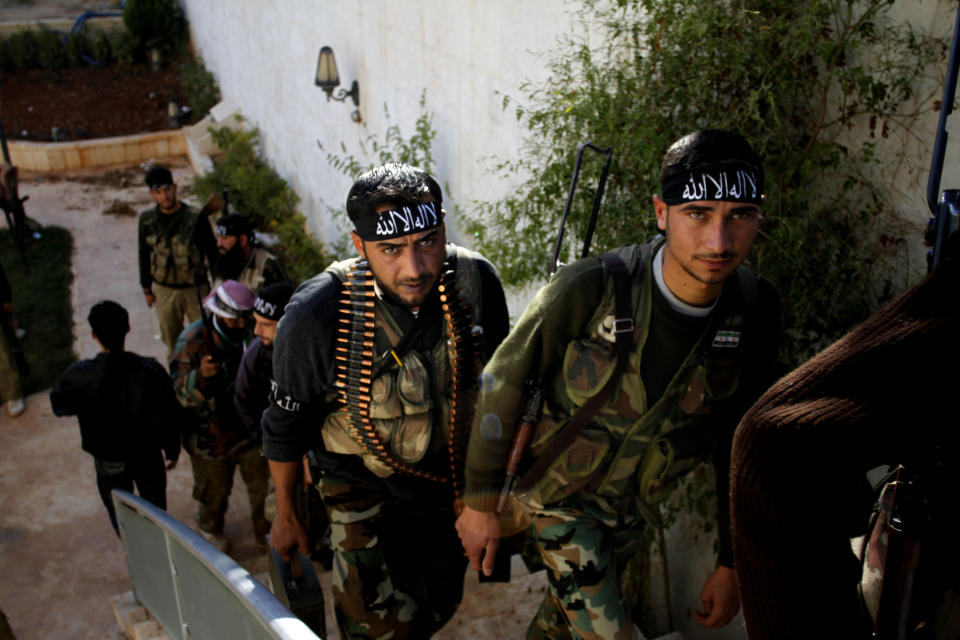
[192, 141]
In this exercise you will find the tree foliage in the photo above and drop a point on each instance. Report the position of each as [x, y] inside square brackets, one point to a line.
[819, 87]
[256, 190]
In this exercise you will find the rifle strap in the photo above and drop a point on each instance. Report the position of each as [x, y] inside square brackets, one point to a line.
[623, 330]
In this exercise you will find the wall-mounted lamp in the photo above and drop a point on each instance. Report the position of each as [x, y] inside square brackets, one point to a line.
[328, 78]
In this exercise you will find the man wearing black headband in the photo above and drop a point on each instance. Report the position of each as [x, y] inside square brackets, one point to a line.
[176, 247]
[676, 339]
[376, 362]
[241, 258]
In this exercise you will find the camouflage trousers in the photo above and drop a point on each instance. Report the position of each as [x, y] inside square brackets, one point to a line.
[398, 568]
[213, 480]
[582, 547]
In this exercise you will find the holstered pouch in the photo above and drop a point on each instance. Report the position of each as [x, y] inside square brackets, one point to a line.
[666, 459]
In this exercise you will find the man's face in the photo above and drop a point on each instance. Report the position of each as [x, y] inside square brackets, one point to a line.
[225, 243]
[265, 328]
[165, 196]
[706, 241]
[406, 268]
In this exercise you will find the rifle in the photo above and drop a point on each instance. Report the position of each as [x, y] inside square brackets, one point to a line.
[533, 392]
[11, 202]
[946, 211]
[598, 196]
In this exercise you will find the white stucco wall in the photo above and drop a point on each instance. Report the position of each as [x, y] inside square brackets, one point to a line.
[464, 54]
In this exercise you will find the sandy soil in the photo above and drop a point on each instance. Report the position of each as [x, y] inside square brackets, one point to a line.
[59, 559]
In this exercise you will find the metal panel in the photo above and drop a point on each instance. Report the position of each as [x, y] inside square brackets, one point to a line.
[149, 565]
[193, 590]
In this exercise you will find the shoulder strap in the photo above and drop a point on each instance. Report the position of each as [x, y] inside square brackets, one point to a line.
[623, 329]
[623, 309]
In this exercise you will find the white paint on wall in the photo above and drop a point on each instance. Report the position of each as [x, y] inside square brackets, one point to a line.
[464, 55]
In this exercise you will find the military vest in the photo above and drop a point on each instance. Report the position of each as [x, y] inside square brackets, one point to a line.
[174, 259]
[397, 408]
[630, 449]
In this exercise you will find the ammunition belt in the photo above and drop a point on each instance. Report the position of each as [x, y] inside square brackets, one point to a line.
[355, 356]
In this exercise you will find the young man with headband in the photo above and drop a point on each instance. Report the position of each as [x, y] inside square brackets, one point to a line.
[376, 363]
[645, 361]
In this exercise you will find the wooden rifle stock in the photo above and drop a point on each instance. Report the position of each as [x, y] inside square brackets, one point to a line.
[521, 440]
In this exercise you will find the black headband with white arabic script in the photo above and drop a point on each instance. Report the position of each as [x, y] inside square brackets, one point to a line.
[733, 182]
[393, 223]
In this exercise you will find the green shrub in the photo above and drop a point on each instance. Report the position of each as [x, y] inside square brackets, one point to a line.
[51, 53]
[77, 45]
[257, 190]
[199, 88]
[122, 46]
[42, 303]
[153, 23]
[22, 50]
[98, 46]
[805, 82]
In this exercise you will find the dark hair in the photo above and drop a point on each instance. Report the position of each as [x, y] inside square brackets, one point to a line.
[110, 323]
[708, 148]
[158, 176]
[398, 184]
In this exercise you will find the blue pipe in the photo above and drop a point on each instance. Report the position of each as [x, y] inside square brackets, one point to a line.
[78, 25]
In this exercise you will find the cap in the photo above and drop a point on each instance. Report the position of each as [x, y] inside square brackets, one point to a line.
[272, 299]
[229, 300]
[234, 224]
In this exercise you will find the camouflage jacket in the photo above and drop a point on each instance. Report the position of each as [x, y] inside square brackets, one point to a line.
[560, 340]
[175, 251]
[215, 428]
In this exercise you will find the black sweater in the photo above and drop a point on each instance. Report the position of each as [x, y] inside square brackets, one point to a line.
[125, 405]
[884, 394]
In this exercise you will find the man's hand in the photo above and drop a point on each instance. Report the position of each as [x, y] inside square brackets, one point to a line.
[286, 532]
[287, 535]
[171, 464]
[150, 298]
[209, 367]
[480, 536]
[720, 599]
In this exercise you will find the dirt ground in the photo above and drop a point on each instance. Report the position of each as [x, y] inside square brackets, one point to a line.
[87, 102]
[60, 561]
[84, 102]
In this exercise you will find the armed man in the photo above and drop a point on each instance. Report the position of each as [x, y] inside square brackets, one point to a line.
[204, 370]
[645, 360]
[376, 362]
[240, 257]
[176, 247]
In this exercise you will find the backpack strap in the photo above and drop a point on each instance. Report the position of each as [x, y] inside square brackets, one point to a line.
[623, 330]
